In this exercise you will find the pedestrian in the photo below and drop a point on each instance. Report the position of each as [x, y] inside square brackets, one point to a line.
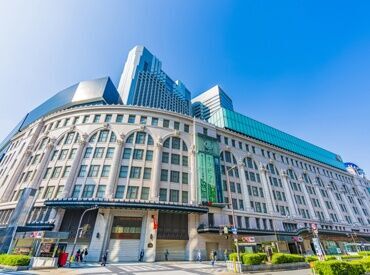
[105, 257]
[166, 253]
[141, 255]
[77, 257]
[82, 255]
[85, 254]
[214, 257]
[225, 255]
[199, 256]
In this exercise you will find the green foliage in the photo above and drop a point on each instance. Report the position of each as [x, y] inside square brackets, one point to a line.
[14, 260]
[348, 257]
[365, 262]
[233, 257]
[254, 258]
[339, 268]
[329, 258]
[310, 259]
[281, 258]
[364, 253]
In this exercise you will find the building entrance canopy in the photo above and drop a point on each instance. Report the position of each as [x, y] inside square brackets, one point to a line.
[128, 204]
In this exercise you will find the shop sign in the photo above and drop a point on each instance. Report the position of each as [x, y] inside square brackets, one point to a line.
[297, 239]
[316, 244]
[234, 230]
[36, 234]
[249, 239]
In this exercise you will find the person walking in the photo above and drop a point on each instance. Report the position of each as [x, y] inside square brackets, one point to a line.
[199, 256]
[77, 257]
[225, 255]
[214, 257]
[166, 253]
[104, 259]
[82, 255]
[85, 254]
[141, 255]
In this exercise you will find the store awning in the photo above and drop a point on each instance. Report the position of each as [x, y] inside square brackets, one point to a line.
[71, 203]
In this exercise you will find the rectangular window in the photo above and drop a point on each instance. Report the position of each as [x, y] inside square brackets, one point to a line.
[88, 152]
[49, 192]
[47, 173]
[166, 123]
[72, 154]
[105, 171]
[131, 119]
[66, 171]
[185, 161]
[147, 173]
[76, 191]
[143, 120]
[123, 171]
[127, 153]
[110, 152]
[108, 118]
[176, 125]
[82, 172]
[138, 154]
[140, 138]
[103, 136]
[63, 154]
[96, 119]
[149, 155]
[56, 172]
[162, 194]
[184, 197]
[59, 191]
[144, 193]
[175, 159]
[174, 195]
[185, 178]
[176, 143]
[175, 176]
[165, 157]
[85, 119]
[135, 172]
[88, 191]
[119, 118]
[154, 121]
[164, 175]
[132, 192]
[101, 191]
[186, 128]
[98, 153]
[119, 192]
[94, 171]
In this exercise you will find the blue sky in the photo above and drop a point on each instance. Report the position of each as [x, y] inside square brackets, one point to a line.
[300, 66]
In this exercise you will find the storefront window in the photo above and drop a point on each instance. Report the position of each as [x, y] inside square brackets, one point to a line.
[126, 228]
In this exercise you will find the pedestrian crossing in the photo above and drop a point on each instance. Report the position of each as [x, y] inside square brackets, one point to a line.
[141, 268]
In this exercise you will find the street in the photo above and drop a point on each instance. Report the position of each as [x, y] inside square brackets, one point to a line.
[161, 268]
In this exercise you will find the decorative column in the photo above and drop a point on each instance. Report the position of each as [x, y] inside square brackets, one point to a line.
[154, 191]
[116, 164]
[321, 199]
[289, 193]
[74, 169]
[307, 197]
[150, 236]
[267, 190]
[241, 171]
[194, 176]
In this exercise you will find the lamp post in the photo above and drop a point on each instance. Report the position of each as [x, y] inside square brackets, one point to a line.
[78, 229]
[232, 209]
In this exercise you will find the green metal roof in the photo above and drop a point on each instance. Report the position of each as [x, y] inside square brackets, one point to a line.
[247, 126]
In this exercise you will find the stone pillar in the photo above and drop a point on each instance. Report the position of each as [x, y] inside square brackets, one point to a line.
[321, 199]
[289, 193]
[192, 245]
[116, 164]
[154, 191]
[100, 235]
[74, 169]
[194, 176]
[267, 190]
[150, 236]
[308, 199]
[244, 183]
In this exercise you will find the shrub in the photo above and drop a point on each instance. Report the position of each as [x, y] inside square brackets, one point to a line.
[254, 258]
[339, 268]
[329, 258]
[280, 258]
[364, 253]
[14, 260]
[310, 259]
[365, 262]
[348, 257]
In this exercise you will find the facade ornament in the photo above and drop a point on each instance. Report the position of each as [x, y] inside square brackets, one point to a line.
[142, 127]
[176, 133]
[119, 141]
[85, 136]
[271, 161]
[227, 147]
[122, 136]
[284, 173]
[72, 128]
[193, 149]
[106, 126]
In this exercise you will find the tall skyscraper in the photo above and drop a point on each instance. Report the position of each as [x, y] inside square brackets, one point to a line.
[207, 103]
[144, 83]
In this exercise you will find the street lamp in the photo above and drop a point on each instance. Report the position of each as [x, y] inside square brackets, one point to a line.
[232, 208]
[80, 228]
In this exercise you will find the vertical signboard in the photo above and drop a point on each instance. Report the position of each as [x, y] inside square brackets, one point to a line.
[208, 168]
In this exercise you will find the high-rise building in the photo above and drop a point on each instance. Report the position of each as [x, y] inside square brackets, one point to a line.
[144, 83]
[207, 103]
